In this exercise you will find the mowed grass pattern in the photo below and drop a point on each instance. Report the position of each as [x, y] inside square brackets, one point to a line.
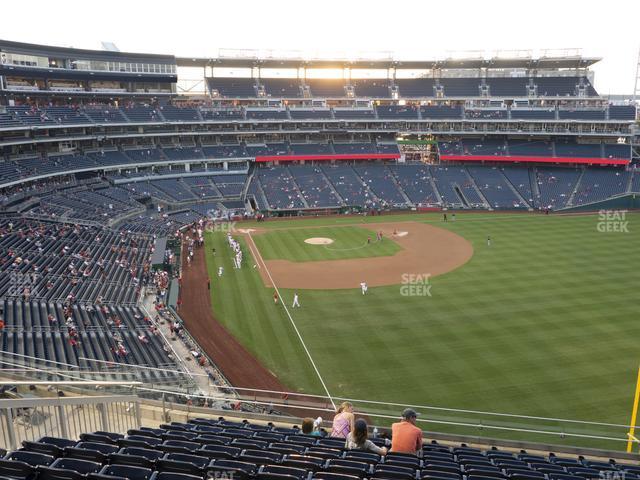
[543, 322]
[246, 308]
[349, 242]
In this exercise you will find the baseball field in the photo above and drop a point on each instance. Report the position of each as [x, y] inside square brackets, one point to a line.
[513, 313]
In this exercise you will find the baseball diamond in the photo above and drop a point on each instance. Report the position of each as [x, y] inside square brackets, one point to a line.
[297, 265]
[461, 310]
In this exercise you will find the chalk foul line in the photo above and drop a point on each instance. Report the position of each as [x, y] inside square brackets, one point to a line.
[256, 254]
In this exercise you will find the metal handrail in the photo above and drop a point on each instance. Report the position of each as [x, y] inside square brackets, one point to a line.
[68, 417]
[324, 398]
[376, 409]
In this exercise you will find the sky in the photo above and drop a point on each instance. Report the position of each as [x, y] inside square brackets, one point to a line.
[407, 29]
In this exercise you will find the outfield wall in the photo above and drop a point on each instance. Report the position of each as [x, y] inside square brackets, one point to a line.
[626, 202]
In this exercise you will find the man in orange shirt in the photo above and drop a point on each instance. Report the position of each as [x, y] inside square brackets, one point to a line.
[406, 437]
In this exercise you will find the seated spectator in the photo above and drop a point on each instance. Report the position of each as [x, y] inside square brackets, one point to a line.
[406, 437]
[343, 421]
[310, 427]
[122, 351]
[358, 439]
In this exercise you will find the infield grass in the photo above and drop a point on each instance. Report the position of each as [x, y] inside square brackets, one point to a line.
[348, 242]
[543, 322]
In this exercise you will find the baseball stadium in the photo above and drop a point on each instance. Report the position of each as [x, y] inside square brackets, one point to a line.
[256, 265]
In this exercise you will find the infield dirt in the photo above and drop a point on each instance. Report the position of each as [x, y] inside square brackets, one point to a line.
[425, 250]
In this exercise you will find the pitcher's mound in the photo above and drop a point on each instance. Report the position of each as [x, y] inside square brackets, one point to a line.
[319, 241]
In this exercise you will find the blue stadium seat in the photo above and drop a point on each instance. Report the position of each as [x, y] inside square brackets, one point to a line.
[241, 470]
[260, 457]
[348, 467]
[326, 453]
[402, 458]
[333, 476]
[95, 437]
[219, 451]
[273, 476]
[181, 463]
[91, 451]
[368, 457]
[211, 439]
[442, 466]
[436, 475]
[179, 446]
[149, 440]
[198, 461]
[45, 448]
[175, 476]
[297, 473]
[16, 470]
[394, 472]
[58, 442]
[270, 436]
[331, 442]
[249, 443]
[208, 428]
[286, 430]
[68, 469]
[132, 459]
[33, 459]
[180, 435]
[564, 476]
[126, 471]
[306, 462]
[287, 448]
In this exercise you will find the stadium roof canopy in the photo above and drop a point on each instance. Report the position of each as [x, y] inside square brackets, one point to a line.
[254, 58]
[449, 63]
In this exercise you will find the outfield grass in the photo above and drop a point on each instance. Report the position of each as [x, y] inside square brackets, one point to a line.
[349, 242]
[544, 322]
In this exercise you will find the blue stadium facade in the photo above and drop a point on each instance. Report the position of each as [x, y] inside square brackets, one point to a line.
[104, 137]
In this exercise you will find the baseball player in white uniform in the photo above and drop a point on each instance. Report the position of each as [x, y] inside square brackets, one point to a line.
[295, 303]
[363, 287]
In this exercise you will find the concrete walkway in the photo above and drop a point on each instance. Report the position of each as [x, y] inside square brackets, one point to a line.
[208, 379]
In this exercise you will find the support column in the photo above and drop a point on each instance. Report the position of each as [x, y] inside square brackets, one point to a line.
[11, 434]
[62, 421]
[104, 419]
[138, 414]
